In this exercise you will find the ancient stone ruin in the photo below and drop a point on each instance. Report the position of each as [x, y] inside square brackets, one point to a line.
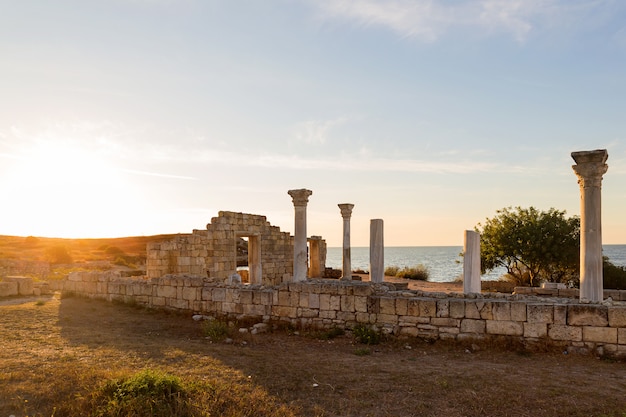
[212, 252]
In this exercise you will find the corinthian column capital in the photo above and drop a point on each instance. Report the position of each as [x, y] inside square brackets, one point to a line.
[300, 197]
[590, 167]
[346, 210]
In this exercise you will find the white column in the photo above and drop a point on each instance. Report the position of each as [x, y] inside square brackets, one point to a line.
[589, 168]
[300, 200]
[346, 212]
[377, 251]
[471, 262]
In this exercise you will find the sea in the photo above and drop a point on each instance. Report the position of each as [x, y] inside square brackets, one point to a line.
[444, 263]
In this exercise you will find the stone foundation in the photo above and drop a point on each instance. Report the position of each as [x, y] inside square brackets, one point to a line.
[320, 303]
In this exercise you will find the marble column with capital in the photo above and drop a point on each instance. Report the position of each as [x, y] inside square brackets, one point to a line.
[300, 256]
[590, 167]
[346, 213]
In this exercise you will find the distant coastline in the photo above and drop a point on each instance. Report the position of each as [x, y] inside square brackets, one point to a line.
[443, 262]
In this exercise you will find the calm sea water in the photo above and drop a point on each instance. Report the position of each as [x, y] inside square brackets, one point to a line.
[443, 262]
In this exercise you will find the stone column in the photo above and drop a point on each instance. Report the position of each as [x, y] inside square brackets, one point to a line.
[300, 264]
[315, 257]
[346, 212]
[471, 262]
[377, 251]
[589, 168]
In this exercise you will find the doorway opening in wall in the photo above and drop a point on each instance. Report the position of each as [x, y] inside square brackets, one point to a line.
[248, 257]
[242, 258]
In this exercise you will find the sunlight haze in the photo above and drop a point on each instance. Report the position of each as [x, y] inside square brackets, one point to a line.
[140, 117]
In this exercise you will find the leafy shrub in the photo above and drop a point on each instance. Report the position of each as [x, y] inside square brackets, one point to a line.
[59, 254]
[216, 330]
[418, 272]
[366, 335]
[147, 393]
[113, 250]
[391, 271]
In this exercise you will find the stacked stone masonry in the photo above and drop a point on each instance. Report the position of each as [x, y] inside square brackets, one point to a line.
[212, 252]
[320, 303]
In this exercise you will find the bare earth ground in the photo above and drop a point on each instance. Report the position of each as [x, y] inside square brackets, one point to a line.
[89, 339]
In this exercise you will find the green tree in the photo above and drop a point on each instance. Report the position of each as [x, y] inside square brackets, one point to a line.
[531, 245]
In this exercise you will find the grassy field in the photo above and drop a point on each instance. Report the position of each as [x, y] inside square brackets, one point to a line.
[58, 355]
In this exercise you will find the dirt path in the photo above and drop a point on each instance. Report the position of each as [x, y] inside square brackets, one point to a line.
[52, 349]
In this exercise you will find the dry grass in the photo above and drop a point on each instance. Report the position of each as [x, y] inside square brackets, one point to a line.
[81, 250]
[55, 355]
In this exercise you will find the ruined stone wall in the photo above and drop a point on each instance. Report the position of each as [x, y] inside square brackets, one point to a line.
[321, 303]
[212, 252]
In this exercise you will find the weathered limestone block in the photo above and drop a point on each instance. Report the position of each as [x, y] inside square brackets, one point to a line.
[314, 301]
[409, 331]
[365, 318]
[347, 303]
[284, 311]
[427, 331]
[457, 308]
[362, 289]
[335, 302]
[157, 301]
[473, 308]
[427, 308]
[444, 332]
[535, 330]
[387, 305]
[540, 313]
[402, 306]
[443, 308]
[560, 314]
[387, 318]
[473, 326]
[308, 312]
[562, 332]
[509, 328]
[346, 316]
[218, 294]
[617, 316]
[587, 315]
[177, 304]
[621, 336]
[445, 322]
[263, 298]
[8, 289]
[328, 314]
[256, 310]
[599, 334]
[360, 304]
[162, 291]
[191, 293]
[501, 311]
[24, 284]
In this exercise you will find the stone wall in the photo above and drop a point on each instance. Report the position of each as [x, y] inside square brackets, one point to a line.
[212, 252]
[321, 303]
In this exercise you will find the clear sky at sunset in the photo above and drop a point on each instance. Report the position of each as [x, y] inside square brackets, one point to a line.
[140, 117]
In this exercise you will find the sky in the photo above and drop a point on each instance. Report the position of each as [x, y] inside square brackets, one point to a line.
[141, 117]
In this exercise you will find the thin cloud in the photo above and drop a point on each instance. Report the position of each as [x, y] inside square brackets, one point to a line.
[361, 163]
[428, 20]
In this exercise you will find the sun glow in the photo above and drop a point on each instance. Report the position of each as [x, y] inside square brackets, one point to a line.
[61, 188]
